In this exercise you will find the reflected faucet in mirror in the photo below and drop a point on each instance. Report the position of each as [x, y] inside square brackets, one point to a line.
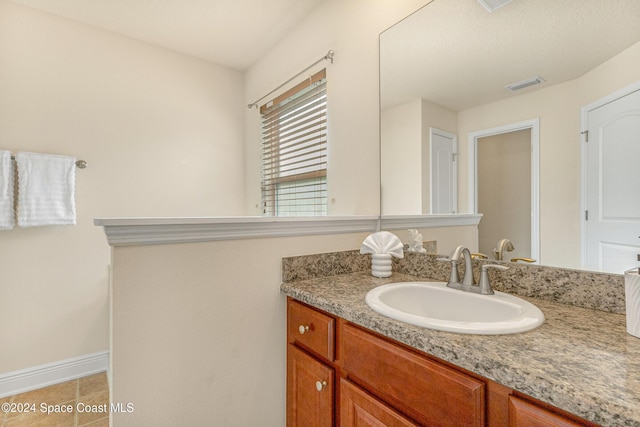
[503, 245]
[498, 253]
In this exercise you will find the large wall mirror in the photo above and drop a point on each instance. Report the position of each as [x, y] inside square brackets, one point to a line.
[456, 139]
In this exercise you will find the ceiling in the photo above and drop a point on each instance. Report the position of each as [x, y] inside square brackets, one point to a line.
[233, 33]
[456, 54]
[460, 54]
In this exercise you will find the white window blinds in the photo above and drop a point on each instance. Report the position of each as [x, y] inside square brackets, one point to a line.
[294, 151]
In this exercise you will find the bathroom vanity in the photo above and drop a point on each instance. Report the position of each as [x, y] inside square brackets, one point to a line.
[348, 365]
[337, 370]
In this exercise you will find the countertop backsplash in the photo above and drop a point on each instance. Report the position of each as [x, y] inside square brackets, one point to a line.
[321, 265]
[600, 291]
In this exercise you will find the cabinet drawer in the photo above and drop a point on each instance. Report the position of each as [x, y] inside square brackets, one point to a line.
[358, 408]
[429, 392]
[311, 329]
[527, 414]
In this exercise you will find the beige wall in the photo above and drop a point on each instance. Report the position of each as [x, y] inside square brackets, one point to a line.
[401, 169]
[159, 131]
[163, 136]
[199, 330]
[558, 108]
[157, 128]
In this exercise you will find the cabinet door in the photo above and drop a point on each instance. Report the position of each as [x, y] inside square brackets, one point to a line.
[429, 392]
[359, 409]
[527, 414]
[310, 390]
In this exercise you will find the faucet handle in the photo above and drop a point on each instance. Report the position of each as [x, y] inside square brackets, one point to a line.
[485, 284]
[454, 277]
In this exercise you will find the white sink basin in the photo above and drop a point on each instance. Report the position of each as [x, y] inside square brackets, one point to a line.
[435, 306]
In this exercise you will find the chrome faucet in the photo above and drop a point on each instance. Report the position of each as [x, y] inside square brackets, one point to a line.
[468, 268]
[454, 277]
[468, 284]
[503, 245]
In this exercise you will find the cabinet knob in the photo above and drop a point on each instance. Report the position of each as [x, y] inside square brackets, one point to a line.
[320, 385]
[302, 329]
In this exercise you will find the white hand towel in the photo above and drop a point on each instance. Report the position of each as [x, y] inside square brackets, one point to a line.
[7, 213]
[46, 189]
[382, 242]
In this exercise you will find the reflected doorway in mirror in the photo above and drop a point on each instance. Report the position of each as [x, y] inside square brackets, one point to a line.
[533, 216]
[443, 188]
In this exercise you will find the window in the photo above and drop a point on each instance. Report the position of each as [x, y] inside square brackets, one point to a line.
[294, 150]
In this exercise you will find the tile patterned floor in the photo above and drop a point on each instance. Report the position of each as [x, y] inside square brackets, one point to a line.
[83, 402]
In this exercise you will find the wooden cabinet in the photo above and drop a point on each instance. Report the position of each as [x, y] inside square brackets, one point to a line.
[360, 409]
[523, 413]
[429, 392]
[310, 390]
[311, 330]
[339, 374]
[310, 374]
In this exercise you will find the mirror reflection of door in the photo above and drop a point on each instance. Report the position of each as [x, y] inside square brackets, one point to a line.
[504, 192]
[613, 182]
[443, 191]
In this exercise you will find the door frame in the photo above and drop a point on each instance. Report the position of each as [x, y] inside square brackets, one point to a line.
[534, 126]
[584, 119]
[454, 138]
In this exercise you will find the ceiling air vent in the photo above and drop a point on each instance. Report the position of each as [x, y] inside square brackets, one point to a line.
[492, 5]
[524, 83]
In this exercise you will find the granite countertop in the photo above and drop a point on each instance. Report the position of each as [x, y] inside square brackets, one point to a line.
[580, 360]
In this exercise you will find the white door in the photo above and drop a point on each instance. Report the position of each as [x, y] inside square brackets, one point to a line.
[444, 172]
[612, 217]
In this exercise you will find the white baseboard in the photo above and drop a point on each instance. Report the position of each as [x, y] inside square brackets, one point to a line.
[52, 373]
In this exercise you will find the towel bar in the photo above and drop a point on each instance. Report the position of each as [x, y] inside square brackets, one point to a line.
[80, 164]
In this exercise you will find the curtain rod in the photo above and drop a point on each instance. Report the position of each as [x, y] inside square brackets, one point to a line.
[328, 56]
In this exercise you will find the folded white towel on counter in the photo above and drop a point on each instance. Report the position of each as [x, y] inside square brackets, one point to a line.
[7, 213]
[382, 242]
[46, 189]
